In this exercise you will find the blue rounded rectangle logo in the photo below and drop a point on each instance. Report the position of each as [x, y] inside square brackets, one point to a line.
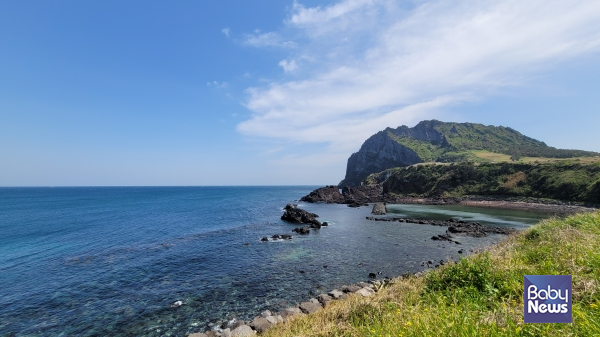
[548, 299]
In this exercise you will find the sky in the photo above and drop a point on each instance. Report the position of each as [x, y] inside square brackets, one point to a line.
[277, 92]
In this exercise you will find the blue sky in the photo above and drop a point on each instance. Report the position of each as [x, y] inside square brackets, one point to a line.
[277, 92]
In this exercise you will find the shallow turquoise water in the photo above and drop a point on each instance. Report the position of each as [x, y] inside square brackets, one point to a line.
[111, 261]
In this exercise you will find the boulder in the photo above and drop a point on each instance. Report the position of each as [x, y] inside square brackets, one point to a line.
[234, 323]
[198, 334]
[310, 307]
[302, 230]
[365, 292]
[365, 284]
[336, 294]
[379, 209]
[324, 299]
[265, 314]
[226, 333]
[288, 312]
[243, 331]
[260, 324]
[273, 319]
[350, 288]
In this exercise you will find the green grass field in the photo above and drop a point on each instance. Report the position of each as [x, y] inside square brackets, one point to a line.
[482, 295]
[493, 157]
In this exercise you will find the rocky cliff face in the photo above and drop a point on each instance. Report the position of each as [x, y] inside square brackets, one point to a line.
[377, 153]
[381, 151]
[436, 141]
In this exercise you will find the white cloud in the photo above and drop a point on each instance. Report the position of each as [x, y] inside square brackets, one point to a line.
[225, 31]
[271, 39]
[370, 64]
[288, 66]
[217, 84]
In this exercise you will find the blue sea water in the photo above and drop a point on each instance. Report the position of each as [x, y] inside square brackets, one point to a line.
[111, 261]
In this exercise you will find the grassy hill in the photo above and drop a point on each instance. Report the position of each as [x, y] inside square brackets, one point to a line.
[564, 180]
[462, 139]
[482, 295]
[436, 141]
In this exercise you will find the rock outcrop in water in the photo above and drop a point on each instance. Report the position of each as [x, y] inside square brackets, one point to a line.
[379, 209]
[354, 196]
[328, 194]
[458, 227]
[296, 215]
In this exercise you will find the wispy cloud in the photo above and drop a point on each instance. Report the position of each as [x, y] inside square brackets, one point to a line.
[271, 39]
[225, 31]
[217, 84]
[369, 64]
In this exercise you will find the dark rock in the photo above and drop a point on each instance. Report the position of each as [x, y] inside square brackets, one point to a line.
[460, 251]
[264, 239]
[302, 230]
[360, 195]
[325, 223]
[442, 237]
[329, 194]
[296, 215]
[275, 237]
[286, 236]
[372, 275]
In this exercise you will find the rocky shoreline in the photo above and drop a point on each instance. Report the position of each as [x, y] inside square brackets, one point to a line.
[239, 328]
[363, 195]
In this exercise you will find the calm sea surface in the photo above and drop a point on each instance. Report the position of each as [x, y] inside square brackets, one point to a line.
[110, 261]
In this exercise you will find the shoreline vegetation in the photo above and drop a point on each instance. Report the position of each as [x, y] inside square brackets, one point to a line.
[481, 295]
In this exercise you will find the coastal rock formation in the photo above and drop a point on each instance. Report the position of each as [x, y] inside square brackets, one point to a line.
[362, 194]
[459, 227]
[302, 230]
[294, 214]
[354, 196]
[436, 141]
[378, 153]
[328, 194]
[379, 209]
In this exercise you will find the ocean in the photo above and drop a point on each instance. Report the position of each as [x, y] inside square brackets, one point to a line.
[112, 261]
